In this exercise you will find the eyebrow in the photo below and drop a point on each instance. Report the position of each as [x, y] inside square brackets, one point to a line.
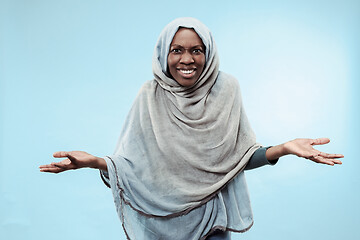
[196, 46]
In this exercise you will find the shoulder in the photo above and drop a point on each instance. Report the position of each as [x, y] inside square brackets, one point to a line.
[227, 81]
[148, 87]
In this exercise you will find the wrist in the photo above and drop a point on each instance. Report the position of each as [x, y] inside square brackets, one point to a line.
[275, 152]
[286, 148]
[100, 164]
[94, 163]
[283, 149]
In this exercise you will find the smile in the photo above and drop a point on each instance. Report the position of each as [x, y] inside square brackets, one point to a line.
[187, 71]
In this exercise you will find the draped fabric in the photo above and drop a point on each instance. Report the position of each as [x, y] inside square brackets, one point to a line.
[181, 146]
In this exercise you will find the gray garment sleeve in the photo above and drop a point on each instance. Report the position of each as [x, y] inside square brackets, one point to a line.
[105, 177]
[258, 159]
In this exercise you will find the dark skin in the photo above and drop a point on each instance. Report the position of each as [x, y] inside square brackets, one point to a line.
[186, 61]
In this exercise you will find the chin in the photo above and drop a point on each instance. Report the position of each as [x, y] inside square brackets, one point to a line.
[186, 83]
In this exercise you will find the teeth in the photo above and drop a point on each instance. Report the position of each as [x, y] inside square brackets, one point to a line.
[187, 71]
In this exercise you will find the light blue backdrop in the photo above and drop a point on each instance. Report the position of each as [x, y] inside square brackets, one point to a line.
[69, 71]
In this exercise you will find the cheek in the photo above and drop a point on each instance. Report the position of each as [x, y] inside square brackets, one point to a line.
[171, 64]
[172, 60]
[202, 62]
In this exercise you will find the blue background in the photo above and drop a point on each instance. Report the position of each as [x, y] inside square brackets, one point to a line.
[69, 71]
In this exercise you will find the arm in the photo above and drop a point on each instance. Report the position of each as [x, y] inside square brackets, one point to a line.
[303, 147]
[74, 160]
[259, 159]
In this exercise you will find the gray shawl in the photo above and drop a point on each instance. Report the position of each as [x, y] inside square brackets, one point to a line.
[180, 145]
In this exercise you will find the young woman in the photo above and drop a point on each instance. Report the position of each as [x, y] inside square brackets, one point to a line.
[178, 169]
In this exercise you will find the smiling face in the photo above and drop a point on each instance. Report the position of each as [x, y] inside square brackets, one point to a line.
[186, 59]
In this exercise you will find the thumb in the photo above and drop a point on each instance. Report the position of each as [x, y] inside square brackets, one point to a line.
[60, 154]
[320, 141]
[70, 156]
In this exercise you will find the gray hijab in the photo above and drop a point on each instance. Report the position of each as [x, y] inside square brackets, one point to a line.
[180, 145]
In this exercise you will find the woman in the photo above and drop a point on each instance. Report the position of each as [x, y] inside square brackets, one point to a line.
[177, 172]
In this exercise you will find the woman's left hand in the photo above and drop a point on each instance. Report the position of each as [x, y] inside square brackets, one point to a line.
[303, 147]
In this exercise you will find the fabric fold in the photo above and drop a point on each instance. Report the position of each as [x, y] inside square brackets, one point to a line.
[228, 210]
[181, 149]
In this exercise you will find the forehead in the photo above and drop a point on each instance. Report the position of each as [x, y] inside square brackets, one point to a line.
[186, 37]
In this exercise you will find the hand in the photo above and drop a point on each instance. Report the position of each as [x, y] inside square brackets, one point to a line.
[303, 147]
[74, 160]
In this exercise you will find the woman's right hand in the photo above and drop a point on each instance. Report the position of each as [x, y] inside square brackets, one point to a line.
[74, 160]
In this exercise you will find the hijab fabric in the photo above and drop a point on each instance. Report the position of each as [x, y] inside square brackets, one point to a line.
[180, 145]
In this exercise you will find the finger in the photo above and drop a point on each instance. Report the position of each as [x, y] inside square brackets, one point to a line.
[45, 166]
[52, 170]
[48, 168]
[65, 164]
[60, 154]
[63, 154]
[329, 161]
[59, 165]
[336, 161]
[328, 155]
[322, 160]
[320, 141]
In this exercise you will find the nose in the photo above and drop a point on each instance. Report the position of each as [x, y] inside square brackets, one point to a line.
[187, 58]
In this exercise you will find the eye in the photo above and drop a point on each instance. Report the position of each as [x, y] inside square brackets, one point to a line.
[198, 51]
[176, 50]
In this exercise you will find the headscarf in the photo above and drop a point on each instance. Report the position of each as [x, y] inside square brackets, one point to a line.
[180, 145]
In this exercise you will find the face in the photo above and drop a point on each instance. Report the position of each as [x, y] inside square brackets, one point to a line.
[186, 59]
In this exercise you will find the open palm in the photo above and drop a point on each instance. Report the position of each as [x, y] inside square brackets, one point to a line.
[74, 160]
[303, 147]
